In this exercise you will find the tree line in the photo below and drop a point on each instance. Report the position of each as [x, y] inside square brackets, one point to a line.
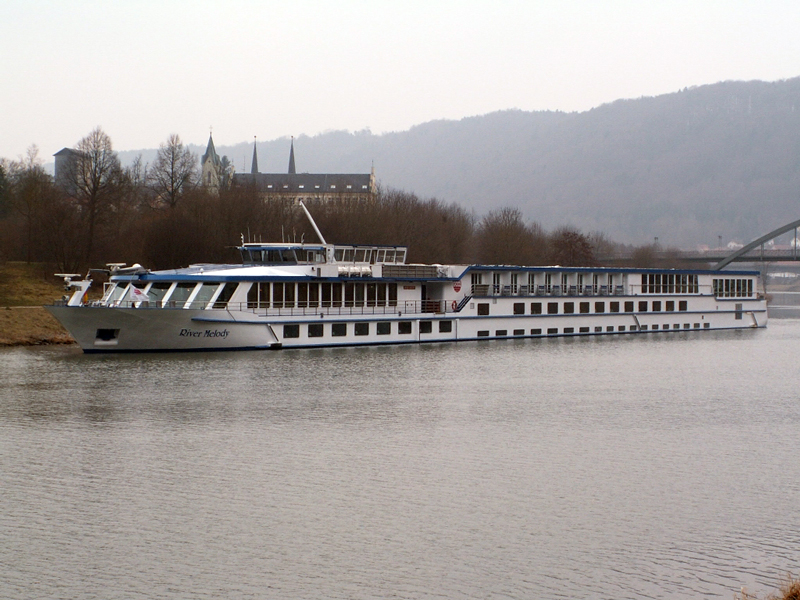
[161, 216]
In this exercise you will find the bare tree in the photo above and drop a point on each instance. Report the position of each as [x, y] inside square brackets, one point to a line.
[95, 176]
[173, 173]
[570, 248]
[30, 186]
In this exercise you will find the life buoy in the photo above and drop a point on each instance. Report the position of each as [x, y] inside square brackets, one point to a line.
[454, 305]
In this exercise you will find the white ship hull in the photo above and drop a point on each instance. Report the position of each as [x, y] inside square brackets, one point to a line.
[115, 329]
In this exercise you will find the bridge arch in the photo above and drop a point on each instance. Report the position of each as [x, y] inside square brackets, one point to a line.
[755, 244]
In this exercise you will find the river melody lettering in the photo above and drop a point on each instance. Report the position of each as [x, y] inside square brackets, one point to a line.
[208, 333]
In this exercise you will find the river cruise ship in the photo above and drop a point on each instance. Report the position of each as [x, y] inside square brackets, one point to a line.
[294, 295]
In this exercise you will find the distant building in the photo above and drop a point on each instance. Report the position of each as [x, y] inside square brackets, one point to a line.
[211, 167]
[65, 168]
[309, 187]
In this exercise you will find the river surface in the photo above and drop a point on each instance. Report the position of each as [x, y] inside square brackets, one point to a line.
[648, 466]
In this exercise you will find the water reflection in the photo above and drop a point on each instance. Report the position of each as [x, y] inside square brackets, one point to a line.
[662, 467]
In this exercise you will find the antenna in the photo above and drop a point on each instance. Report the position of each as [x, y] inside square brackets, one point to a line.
[313, 224]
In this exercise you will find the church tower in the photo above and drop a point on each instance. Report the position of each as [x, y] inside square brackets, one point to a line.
[291, 159]
[211, 166]
[254, 166]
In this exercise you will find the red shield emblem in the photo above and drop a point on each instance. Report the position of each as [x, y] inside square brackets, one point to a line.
[457, 286]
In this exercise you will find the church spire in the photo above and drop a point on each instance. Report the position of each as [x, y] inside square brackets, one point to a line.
[254, 166]
[291, 159]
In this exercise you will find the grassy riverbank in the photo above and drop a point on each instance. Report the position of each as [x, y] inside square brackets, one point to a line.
[24, 289]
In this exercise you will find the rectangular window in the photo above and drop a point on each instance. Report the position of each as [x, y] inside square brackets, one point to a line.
[384, 328]
[644, 328]
[519, 332]
[519, 308]
[536, 308]
[552, 330]
[599, 307]
[614, 306]
[362, 329]
[621, 328]
[339, 329]
[657, 305]
[629, 306]
[425, 326]
[483, 308]
[682, 305]
[501, 333]
[643, 306]
[536, 332]
[584, 308]
[569, 308]
[676, 326]
[738, 314]
[483, 333]
[404, 327]
[584, 330]
[315, 330]
[552, 308]
[291, 331]
[569, 330]
[654, 327]
[697, 325]
[598, 329]
[706, 325]
[445, 326]
[610, 328]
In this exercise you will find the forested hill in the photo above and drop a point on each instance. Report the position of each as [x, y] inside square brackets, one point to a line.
[720, 159]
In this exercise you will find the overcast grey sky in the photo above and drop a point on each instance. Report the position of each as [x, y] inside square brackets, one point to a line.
[143, 69]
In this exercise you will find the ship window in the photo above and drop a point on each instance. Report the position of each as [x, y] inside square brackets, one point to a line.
[315, 330]
[519, 308]
[337, 294]
[670, 305]
[158, 290]
[181, 293]
[552, 308]
[483, 333]
[584, 307]
[302, 295]
[536, 308]
[384, 328]
[552, 330]
[404, 327]
[392, 294]
[697, 325]
[643, 306]
[629, 306]
[291, 331]
[519, 332]
[599, 307]
[445, 326]
[339, 329]
[204, 295]
[621, 328]
[501, 333]
[569, 308]
[598, 329]
[118, 292]
[738, 315]
[569, 330]
[425, 326]
[536, 332]
[657, 305]
[277, 295]
[610, 328]
[225, 295]
[682, 305]
[313, 295]
[584, 330]
[483, 308]
[362, 328]
[706, 325]
[613, 307]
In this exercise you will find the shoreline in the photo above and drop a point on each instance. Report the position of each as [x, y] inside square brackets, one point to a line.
[30, 326]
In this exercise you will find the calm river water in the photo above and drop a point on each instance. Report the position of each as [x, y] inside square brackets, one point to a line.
[629, 467]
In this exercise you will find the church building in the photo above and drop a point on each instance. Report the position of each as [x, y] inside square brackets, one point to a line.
[293, 186]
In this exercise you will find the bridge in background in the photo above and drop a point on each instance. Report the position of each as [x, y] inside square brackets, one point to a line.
[750, 253]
